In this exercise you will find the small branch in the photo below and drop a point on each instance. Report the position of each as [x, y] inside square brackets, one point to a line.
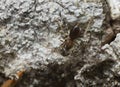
[12, 83]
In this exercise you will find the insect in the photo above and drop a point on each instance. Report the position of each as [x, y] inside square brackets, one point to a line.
[69, 42]
[74, 33]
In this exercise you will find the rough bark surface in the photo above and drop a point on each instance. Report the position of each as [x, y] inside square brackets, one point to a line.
[32, 33]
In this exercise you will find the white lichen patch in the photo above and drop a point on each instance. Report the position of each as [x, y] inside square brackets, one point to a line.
[32, 30]
[113, 48]
[37, 53]
[114, 8]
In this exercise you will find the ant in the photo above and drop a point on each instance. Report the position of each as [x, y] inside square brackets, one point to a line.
[69, 42]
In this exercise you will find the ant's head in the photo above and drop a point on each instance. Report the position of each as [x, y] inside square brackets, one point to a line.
[74, 33]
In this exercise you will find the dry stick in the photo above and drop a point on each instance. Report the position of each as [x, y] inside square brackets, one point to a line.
[12, 83]
[88, 26]
[86, 30]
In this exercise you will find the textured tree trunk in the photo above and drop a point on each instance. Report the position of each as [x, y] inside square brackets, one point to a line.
[60, 43]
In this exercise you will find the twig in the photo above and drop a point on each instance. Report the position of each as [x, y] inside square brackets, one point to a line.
[12, 83]
[88, 26]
